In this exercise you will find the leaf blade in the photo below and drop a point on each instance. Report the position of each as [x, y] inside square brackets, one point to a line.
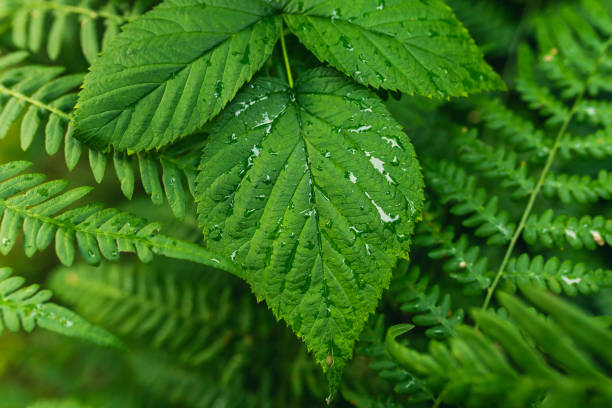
[152, 85]
[415, 47]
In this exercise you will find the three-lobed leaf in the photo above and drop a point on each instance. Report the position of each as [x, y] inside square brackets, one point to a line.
[315, 192]
[173, 69]
[417, 47]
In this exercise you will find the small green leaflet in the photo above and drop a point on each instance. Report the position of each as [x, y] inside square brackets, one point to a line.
[417, 47]
[64, 321]
[315, 192]
[27, 307]
[173, 69]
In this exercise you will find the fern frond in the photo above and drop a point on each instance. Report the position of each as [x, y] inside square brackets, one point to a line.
[178, 164]
[192, 319]
[461, 259]
[177, 385]
[489, 22]
[583, 189]
[423, 302]
[571, 45]
[372, 346]
[27, 203]
[538, 97]
[495, 163]
[517, 131]
[28, 307]
[588, 232]
[42, 94]
[497, 366]
[163, 174]
[597, 145]
[452, 184]
[52, 24]
[561, 83]
[567, 276]
[595, 112]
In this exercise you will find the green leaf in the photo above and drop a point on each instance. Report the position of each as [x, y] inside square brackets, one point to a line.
[173, 69]
[315, 191]
[417, 47]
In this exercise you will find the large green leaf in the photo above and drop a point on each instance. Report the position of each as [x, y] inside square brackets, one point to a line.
[415, 46]
[172, 69]
[315, 192]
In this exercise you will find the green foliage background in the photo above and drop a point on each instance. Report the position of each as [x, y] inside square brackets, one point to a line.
[197, 338]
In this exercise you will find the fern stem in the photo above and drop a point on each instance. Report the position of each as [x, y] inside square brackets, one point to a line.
[286, 58]
[34, 102]
[529, 207]
[84, 11]
[542, 179]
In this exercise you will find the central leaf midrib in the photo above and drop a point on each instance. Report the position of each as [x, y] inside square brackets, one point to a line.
[317, 223]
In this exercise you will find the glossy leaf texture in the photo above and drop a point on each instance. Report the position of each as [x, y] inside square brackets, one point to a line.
[173, 69]
[315, 192]
[415, 46]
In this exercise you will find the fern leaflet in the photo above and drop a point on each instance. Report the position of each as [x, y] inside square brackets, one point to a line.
[28, 307]
[196, 321]
[497, 365]
[36, 207]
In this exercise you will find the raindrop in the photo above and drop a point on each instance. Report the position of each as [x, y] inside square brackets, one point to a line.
[335, 15]
[218, 89]
[384, 217]
[361, 129]
[232, 139]
[391, 141]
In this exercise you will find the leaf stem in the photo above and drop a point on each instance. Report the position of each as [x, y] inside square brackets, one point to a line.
[286, 58]
[542, 179]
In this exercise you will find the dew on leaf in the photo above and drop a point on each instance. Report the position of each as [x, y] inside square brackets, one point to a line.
[218, 88]
[361, 129]
[384, 217]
